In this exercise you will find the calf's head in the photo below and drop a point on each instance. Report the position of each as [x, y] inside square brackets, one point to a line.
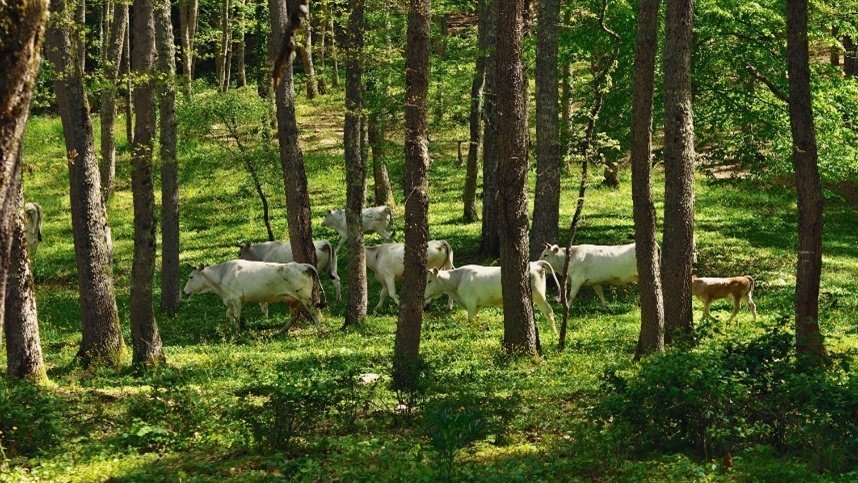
[244, 251]
[554, 255]
[197, 282]
[433, 287]
[331, 218]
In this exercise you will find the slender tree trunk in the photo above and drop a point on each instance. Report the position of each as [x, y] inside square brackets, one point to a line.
[355, 167]
[23, 346]
[678, 244]
[146, 339]
[850, 58]
[651, 337]
[102, 339]
[383, 195]
[406, 349]
[566, 107]
[129, 89]
[519, 327]
[834, 51]
[546, 202]
[112, 60]
[469, 197]
[187, 16]
[240, 70]
[26, 22]
[283, 27]
[221, 61]
[193, 14]
[809, 340]
[170, 294]
[321, 27]
[307, 61]
[489, 237]
[334, 64]
[79, 33]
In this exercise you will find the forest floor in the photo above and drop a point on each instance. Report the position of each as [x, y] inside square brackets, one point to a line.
[202, 416]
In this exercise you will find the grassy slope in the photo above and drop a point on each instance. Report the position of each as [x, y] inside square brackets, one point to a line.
[742, 228]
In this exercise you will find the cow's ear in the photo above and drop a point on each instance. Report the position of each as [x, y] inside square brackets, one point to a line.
[555, 248]
[329, 212]
[433, 271]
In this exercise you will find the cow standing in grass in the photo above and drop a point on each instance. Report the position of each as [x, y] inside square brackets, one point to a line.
[710, 289]
[594, 265]
[376, 219]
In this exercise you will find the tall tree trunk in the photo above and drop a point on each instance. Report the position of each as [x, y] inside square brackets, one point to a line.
[678, 243]
[129, 84]
[283, 27]
[334, 64]
[79, 33]
[469, 197]
[221, 61]
[519, 330]
[651, 337]
[112, 60]
[355, 167]
[406, 349]
[321, 27]
[187, 21]
[810, 205]
[170, 295]
[307, 61]
[546, 202]
[20, 49]
[146, 340]
[102, 339]
[381, 180]
[834, 50]
[850, 58]
[240, 61]
[23, 346]
[489, 237]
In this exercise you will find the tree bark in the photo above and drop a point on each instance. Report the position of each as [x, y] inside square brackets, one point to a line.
[333, 45]
[283, 27]
[221, 61]
[188, 25]
[240, 61]
[112, 60]
[20, 49]
[546, 202]
[79, 33]
[651, 337]
[355, 167]
[808, 338]
[678, 245]
[165, 44]
[321, 27]
[146, 340]
[406, 349]
[489, 237]
[102, 339]
[850, 58]
[307, 61]
[519, 331]
[834, 51]
[23, 346]
[383, 194]
[129, 84]
[469, 197]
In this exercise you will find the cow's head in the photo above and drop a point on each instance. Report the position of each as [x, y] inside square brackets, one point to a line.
[433, 289]
[551, 253]
[330, 218]
[197, 282]
[244, 250]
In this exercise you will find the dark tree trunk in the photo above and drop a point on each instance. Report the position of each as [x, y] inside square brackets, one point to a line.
[79, 34]
[188, 24]
[810, 205]
[381, 180]
[307, 61]
[651, 337]
[17, 77]
[283, 27]
[679, 155]
[112, 59]
[850, 58]
[23, 346]
[469, 196]
[834, 51]
[489, 237]
[129, 84]
[546, 199]
[355, 168]
[519, 332]
[222, 61]
[566, 107]
[102, 339]
[364, 139]
[240, 69]
[334, 65]
[146, 341]
[170, 294]
[406, 349]
[321, 27]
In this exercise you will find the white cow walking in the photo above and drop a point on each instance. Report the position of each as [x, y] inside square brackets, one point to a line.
[376, 219]
[281, 252]
[387, 261]
[594, 265]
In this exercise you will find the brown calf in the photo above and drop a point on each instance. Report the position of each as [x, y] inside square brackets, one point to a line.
[709, 289]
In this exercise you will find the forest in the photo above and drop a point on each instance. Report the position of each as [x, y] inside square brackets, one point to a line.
[415, 240]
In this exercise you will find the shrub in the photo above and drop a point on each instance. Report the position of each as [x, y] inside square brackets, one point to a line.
[30, 419]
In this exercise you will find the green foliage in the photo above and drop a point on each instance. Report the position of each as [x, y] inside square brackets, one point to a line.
[30, 420]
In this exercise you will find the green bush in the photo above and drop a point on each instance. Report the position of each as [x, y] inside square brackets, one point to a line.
[30, 419]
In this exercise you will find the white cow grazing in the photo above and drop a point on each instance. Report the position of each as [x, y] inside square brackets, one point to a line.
[387, 261]
[377, 219]
[33, 219]
[594, 265]
[281, 252]
[476, 286]
[239, 282]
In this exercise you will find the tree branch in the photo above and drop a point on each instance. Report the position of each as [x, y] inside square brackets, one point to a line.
[771, 85]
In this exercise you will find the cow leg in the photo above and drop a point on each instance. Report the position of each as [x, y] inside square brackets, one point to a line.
[472, 312]
[236, 314]
[737, 304]
[706, 303]
[335, 280]
[264, 309]
[390, 282]
[381, 296]
[450, 302]
[598, 289]
[545, 308]
[751, 305]
[574, 287]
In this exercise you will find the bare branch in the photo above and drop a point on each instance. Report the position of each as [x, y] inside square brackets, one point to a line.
[771, 85]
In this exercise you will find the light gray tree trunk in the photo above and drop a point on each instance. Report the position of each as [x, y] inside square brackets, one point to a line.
[222, 59]
[469, 197]
[112, 59]
[311, 84]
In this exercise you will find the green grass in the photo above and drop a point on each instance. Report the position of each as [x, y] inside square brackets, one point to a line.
[743, 227]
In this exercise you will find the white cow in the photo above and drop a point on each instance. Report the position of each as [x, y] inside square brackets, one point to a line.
[281, 252]
[239, 282]
[387, 261]
[476, 286]
[594, 265]
[33, 219]
[376, 219]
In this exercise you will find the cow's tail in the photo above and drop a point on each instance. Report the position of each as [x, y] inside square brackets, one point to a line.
[448, 263]
[543, 263]
[319, 300]
[332, 266]
[753, 284]
[38, 221]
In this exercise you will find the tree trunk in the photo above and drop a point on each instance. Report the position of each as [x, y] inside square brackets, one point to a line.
[810, 205]
[23, 346]
[283, 29]
[221, 61]
[678, 246]
[80, 35]
[146, 340]
[546, 202]
[307, 61]
[170, 292]
[850, 58]
[321, 27]
[187, 17]
[333, 37]
[834, 51]
[519, 331]
[240, 61]
[381, 180]
[27, 20]
[102, 338]
[129, 89]
[112, 60]
[651, 337]
[406, 349]
[469, 197]
[566, 107]
[355, 167]
[489, 237]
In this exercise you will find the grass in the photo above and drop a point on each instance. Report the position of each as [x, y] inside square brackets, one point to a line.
[191, 413]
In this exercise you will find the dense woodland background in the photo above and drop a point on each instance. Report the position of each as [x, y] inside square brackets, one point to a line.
[157, 141]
